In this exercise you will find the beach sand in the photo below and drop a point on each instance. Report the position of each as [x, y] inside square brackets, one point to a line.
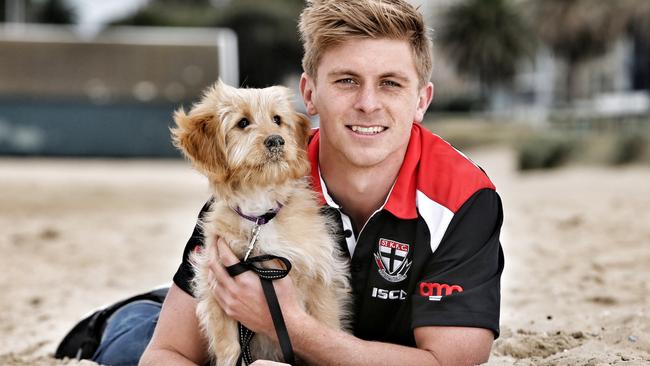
[78, 234]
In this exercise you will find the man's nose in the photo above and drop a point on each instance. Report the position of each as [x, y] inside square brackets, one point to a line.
[367, 99]
[273, 141]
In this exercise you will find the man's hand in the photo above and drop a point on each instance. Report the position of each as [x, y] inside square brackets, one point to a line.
[268, 363]
[242, 297]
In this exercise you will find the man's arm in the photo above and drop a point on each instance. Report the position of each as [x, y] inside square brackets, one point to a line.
[435, 346]
[242, 298]
[177, 339]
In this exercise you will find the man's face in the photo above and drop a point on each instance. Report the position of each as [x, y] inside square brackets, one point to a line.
[367, 96]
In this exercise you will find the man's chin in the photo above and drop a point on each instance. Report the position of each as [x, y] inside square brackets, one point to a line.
[365, 159]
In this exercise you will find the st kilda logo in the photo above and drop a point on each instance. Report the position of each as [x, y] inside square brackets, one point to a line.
[392, 259]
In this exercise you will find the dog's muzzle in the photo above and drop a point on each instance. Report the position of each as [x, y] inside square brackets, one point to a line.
[274, 142]
[275, 147]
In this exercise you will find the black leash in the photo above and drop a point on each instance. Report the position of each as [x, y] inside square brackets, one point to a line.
[267, 275]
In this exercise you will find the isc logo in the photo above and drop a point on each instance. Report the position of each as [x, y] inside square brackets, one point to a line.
[384, 294]
[435, 291]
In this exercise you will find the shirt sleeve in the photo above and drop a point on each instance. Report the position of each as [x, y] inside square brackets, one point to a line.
[460, 285]
[185, 273]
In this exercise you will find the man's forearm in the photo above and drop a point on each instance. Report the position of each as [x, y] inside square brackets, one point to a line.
[321, 345]
[164, 357]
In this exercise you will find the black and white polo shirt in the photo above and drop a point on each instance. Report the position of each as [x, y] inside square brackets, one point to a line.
[430, 256]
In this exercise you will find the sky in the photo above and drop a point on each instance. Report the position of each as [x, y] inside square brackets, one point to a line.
[93, 13]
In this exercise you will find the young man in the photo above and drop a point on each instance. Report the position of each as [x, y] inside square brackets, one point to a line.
[421, 221]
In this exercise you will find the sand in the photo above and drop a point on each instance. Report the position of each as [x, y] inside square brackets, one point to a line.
[77, 234]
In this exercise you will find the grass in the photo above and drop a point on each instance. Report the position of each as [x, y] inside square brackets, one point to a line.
[466, 131]
[548, 147]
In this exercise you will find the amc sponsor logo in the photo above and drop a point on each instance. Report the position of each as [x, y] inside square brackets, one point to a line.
[435, 291]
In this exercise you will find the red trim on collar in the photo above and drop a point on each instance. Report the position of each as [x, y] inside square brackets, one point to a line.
[312, 154]
[430, 166]
[433, 167]
[401, 201]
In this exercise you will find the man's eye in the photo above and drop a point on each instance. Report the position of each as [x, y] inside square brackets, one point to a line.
[243, 123]
[390, 83]
[346, 81]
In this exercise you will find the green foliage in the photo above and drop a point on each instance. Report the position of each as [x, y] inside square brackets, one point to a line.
[461, 103]
[173, 13]
[269, 47]
[613, 148]
[486, 39]
[55, 12]
[639, 11]
[628, 148]
[543, 152]
[42, 11]
[579, 30]
[465, 131]
[551, 148]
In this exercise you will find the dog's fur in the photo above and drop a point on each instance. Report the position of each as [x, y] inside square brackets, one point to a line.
[245, 173]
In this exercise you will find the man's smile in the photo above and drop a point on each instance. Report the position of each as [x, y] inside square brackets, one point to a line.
[367, 130]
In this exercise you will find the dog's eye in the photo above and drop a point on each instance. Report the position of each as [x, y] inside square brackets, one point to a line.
[277, 120]
[243, 123]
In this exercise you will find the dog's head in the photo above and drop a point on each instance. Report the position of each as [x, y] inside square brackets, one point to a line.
[244, 136]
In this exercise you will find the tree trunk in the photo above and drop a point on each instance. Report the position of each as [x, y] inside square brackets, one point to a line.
[571, 86]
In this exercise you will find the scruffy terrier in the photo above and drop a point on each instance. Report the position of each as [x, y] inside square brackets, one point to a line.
[251, 145]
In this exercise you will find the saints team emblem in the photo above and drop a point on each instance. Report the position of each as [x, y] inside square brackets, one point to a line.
[392, 259]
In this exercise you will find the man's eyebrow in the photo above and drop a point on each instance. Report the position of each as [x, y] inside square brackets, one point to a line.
[395, 75]
[347, 72]
[341, 72]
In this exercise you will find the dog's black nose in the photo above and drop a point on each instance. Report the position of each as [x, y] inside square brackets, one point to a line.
[273, 141]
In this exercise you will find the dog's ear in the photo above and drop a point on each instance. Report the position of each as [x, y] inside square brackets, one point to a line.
[304, 131]
[197, 135]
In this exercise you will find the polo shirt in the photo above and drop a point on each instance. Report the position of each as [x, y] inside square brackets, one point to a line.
[430, 256]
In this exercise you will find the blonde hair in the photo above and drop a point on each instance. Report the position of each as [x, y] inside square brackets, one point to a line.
[327, 23]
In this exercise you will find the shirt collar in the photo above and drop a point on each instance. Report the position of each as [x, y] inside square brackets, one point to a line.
[328, 199]
[401, 199]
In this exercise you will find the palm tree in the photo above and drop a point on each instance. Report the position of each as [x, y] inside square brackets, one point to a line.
[639, 17]
[578, 30]
[485, 39]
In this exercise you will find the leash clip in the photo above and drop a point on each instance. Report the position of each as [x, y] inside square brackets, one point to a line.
[255, 232]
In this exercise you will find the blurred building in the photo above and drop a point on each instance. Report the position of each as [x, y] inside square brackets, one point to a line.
[112, 95]
[612, 85]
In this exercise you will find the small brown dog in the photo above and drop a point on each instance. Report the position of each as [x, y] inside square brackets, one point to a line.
[251, 145]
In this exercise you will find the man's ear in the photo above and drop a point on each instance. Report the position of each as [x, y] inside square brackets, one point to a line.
[307, 84]
[303, 130]
[424, 100]
[197, 135]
